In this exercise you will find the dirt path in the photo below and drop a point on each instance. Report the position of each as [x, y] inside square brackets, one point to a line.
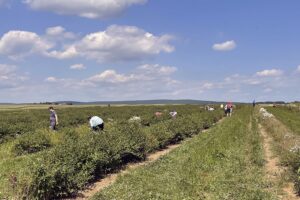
[273, 169]
[111, 178]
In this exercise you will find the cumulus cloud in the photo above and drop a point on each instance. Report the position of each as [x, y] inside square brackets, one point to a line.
[266, 90]
[207, 86]
[157, 69]
[115, 44]
[9, 77]
[78, 67]
[150, 73]
[269, 72]
[51, 79]
[59, 32]
[6, 69]
[18, 44]
[111, 76]
[84, 8]
[153, 81]
[225, 46]
[70, 52]
[118, 43]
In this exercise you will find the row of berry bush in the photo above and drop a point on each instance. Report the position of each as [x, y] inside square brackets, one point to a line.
[84, 156]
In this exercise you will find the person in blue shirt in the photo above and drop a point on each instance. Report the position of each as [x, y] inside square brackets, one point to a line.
[53, 118]
[96, 123]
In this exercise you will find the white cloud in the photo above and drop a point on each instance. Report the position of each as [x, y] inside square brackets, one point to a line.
[6, 69]
[9, 77]
[298, 69]
[51, 79]
[225, 46]
[111, 76]
[70, 52]
[147, 82]
[252, 81]
[267, 90]
[84, 8]
[115, 44]
[269, 72]
[59, 32]
[78, 67]
[145, 73]
[207, 86]
[18, 44]
[157, 69]
[118, 43]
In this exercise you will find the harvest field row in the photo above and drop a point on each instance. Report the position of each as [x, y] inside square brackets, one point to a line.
[38, 164]
[19, 121]
[226, 162]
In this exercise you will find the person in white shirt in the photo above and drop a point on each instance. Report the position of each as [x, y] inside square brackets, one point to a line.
[96, 123]
[173, 114]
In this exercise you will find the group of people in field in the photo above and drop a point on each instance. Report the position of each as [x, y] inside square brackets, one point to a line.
[228, 109]
[96, 123]
[173, 114]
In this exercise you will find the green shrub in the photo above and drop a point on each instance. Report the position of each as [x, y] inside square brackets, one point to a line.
[31, 143]
[157, 136]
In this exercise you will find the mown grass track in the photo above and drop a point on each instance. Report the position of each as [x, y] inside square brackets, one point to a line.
[284, 129]
[224, 163]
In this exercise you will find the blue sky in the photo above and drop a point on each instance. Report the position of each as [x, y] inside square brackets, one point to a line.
[145, 49]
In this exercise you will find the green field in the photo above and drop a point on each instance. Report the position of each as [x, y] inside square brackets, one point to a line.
[225, 162]
[289, 116]
[39, 164]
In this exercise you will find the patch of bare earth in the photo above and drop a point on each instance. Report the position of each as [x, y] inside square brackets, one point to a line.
[273, 169]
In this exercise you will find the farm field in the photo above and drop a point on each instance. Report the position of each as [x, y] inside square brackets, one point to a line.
[227, 162]
[230, 160]
[149, 100]
[36, 163]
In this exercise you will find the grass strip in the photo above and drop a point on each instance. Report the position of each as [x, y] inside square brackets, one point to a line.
[288, 116]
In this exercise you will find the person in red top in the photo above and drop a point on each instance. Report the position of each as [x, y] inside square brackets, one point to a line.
[229, 109]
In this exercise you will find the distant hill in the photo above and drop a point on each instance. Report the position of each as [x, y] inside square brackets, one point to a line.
[141, 102]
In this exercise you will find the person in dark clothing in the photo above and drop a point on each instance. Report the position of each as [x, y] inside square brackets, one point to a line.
[53, 118]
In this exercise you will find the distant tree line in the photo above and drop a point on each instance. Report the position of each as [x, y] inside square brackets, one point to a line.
[54, 103]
